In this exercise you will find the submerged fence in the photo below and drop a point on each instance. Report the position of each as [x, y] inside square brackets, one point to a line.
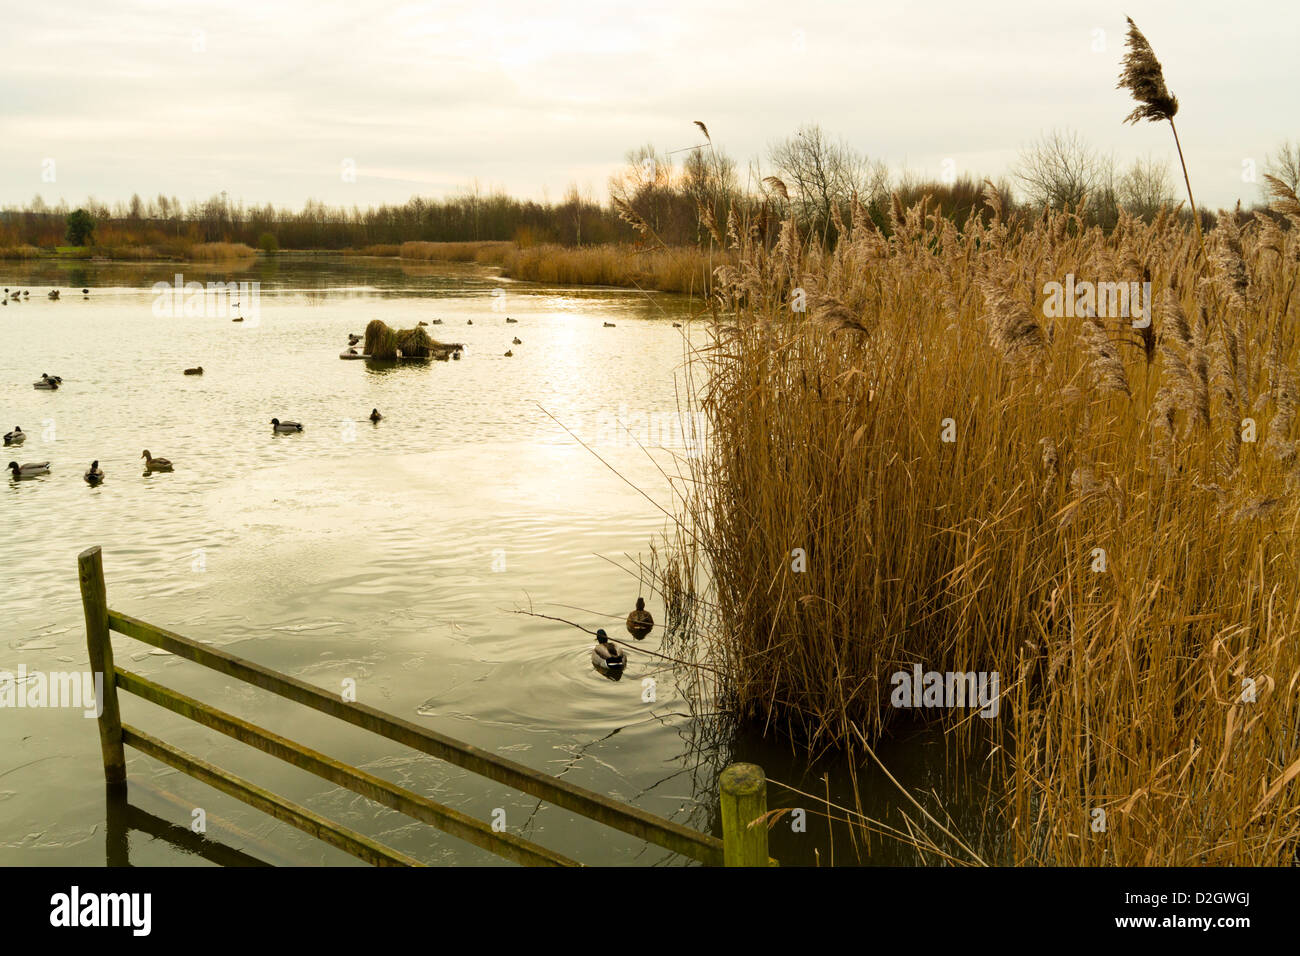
[742, 787]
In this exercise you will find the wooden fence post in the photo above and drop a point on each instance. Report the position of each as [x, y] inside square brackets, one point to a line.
[99, 645]
[743, 792]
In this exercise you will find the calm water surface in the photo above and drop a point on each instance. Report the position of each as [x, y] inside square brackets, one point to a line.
[394, 555]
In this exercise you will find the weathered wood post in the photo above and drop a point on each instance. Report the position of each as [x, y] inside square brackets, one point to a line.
[743, 791]
[99, 645]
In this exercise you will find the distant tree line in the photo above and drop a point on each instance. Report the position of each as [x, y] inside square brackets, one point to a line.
[654, 199]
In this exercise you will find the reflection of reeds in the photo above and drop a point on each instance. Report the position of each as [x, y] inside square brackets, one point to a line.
[870, 501]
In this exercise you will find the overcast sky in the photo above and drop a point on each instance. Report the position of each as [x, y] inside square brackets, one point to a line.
[270, 101]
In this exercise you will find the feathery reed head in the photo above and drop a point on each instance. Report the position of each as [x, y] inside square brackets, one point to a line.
[1143, 77]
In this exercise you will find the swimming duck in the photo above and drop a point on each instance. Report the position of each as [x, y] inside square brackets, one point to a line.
[609, 325]
[677, 325]
[155, 464]
[238, 319]
[437, 321]
[286, 426]
[15, 437]
[606, 654]
[94, 474]
[470, 322]
[510, 320]
[353, 339]
[509, 353]
[27, 293]
[85, 292]
[30, 470]
[54, 293]
[47, 383]
[197, 370]
[374, 415]
[517, 341]
[639, 622]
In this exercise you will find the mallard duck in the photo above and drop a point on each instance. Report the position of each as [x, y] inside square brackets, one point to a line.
[609, 325]
[54, 293]
[510, 320]
[155, 464]
[47, 383]
[374, 415]
[85, 292]
[353, 339]
[437, 321]
[470, 322]
[639, 622]
[94, 474]
[27, 293]
[286, 426]
[239, 318]
[606, 654]
[15, 437]
[510, 353]
[677, 325]
[197, 370]
[29, 470]
[517, 341]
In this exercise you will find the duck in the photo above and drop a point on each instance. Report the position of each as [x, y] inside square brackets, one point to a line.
[422, 322]
[152, 464]
[353, 339]
[510, 321]
[606, 654]
[510, 353]
[29, 470]
[15, 437]
[238, 319]
[374, 415]
[286, 426]
[94, 474]
[437, 321]
[455, 356]
[27, 293]
[47, 383]
[85, 292]
[517, 341]
[470, 322]
[54, 293]
[639, 622]
[677, 325]
[609, 325]
[197, 370]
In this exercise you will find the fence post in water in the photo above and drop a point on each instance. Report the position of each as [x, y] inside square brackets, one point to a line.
[94, 599]
[743, 792]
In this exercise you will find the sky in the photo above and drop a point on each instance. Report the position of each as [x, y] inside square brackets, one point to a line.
[362, 102]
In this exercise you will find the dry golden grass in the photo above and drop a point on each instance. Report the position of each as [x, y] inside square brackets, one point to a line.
[1161, 686]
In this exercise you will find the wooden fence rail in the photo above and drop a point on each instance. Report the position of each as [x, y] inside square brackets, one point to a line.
[742, 786]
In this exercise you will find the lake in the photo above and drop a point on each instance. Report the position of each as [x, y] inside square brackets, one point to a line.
[394, 555]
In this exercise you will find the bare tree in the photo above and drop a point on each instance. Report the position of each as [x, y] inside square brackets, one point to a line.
[820, 173]
[1285, 165]
[1146, 187]
[1060, 170]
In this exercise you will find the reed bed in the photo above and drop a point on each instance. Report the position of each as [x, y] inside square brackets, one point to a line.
[384, 342]
[488, 253]
[687, 269]
[922, 467]
[214, 251]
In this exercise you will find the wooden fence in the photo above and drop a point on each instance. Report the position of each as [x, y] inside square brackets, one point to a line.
[742, 787]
